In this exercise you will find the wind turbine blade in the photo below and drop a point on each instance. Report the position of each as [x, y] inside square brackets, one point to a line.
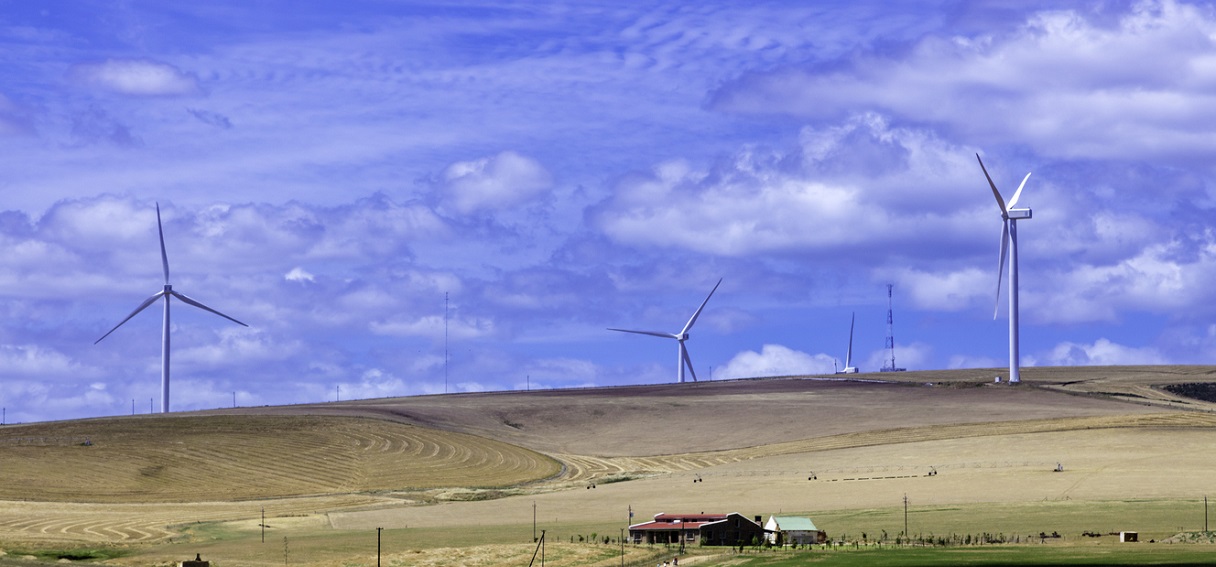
[996, 193]
[1000, 268]
[688, 361]
[651, 333]
[1014, 201]
[205, 308]
[698, 313]
[141, 307]
[164, 258]
[848, 356]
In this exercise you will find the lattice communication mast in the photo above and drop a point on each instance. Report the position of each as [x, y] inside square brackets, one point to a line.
[890, 365]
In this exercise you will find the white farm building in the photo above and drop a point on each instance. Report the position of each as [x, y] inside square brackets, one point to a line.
[786, 530]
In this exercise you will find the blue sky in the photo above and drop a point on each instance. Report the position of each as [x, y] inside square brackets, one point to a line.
[329, 171]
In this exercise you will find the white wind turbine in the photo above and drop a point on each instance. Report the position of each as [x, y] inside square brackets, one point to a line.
[165, 293]
[848, 355]
[682, 360]
[1009, 240]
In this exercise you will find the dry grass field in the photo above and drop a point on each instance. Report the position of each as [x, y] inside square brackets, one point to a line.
[463, 474]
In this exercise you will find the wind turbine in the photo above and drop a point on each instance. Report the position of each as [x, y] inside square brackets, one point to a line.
[848, 356]
[682, 358]
[1009, 240]
[165, 293]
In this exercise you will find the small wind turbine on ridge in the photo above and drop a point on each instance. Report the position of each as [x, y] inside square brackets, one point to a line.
[1009, 241]
[848, 355]
[682, 360]
[165, 293]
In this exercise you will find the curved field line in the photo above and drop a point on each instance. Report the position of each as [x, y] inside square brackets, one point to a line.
[190, 459]
[581, 467]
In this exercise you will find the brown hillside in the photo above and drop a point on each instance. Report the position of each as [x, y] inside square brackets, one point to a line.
[713, 416]
[229, 458]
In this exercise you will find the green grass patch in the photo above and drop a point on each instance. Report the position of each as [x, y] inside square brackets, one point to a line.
[1018, 522]
[73, 554]
[993, 556]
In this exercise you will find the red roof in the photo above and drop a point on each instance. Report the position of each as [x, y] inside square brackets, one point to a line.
[689, 517]
[666, 522]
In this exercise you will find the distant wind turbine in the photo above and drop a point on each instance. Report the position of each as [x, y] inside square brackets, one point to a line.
[848, 355]
[165, 293]
[683, 360]
[1009, 240]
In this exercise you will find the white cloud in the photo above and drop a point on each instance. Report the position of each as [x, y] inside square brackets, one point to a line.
[1102, 352]
[774, 360]
[239, 346]
[503, 180]
[949, 290]
[845, 187]
[1064, 82]
[298, 274]
[137, 77]
[971, 361]
[1163, 277]
[911, 356]
[373, 383]
[18, 361]
[432, 326]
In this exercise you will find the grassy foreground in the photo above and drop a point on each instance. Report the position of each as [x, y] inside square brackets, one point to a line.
[569, 543]
[1044, 555]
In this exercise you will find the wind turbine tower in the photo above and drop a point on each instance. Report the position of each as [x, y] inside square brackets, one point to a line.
[848, 355]
[682, 359]
[165, 294]
[1009, 240]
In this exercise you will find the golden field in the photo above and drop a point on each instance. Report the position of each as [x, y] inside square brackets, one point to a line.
[463, 474]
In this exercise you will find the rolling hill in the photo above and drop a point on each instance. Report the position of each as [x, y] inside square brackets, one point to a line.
[755, 445]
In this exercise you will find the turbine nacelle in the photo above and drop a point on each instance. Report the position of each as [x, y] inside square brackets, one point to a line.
[1017, 214]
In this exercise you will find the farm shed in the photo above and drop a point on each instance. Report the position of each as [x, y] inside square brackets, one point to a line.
[785, 530]
[702, 529]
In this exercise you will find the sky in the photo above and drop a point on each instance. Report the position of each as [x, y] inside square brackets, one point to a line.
[419, 197]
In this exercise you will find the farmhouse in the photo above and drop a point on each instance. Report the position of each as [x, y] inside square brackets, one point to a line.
[698, 529]
[785, 530]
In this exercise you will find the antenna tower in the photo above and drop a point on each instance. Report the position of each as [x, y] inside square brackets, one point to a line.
[445, 342]
[890, 335]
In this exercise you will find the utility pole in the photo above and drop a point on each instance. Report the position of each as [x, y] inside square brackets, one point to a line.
[378, 546]
[905, 516]
[533, 520]
[622, 540]
[263, 524]
[445, 346]
[1205, 514]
